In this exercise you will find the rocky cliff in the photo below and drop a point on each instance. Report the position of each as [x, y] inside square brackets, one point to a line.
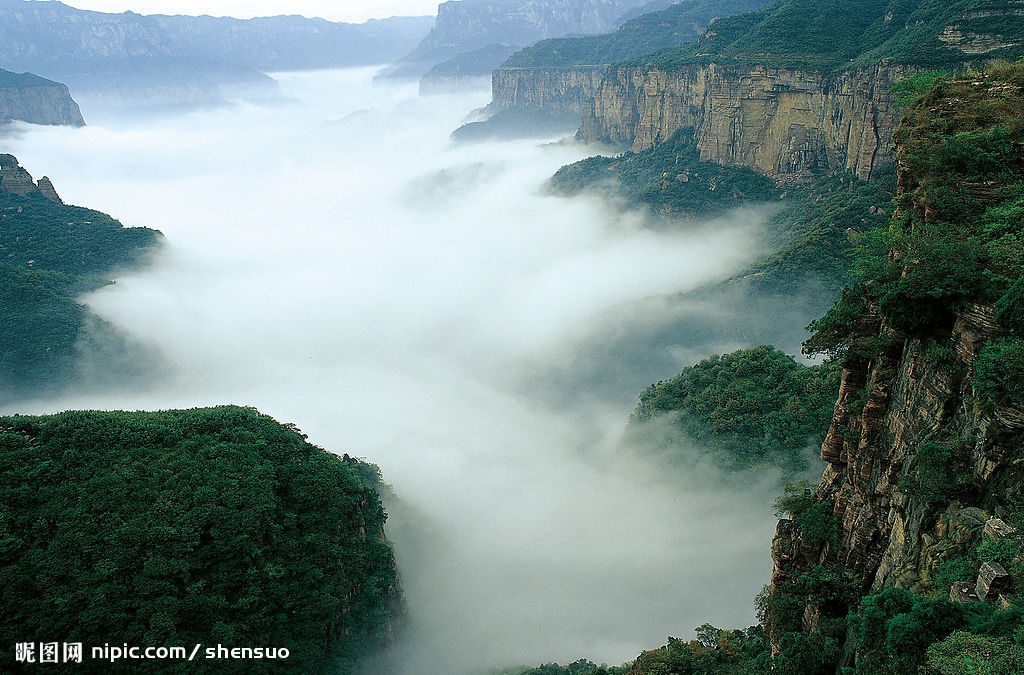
[924, 443]
[32, 99]
[17, 181]
[797, 85]
[552, 90]
[782, 122]
[561, 75]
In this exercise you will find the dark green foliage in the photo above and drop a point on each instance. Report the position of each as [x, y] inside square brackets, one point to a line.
[752, 406]
[49, 254]
[818, 525]
[941, 472]
[958, 568]
[838, 332]
[819, 229]
[833, 34]
[714, 652]
[669, 178]
[183, 527]
[999, 374]
[581, 667]
[1009, 309]
[963, 652]
[900, 632]
[678, 24]
[39, 327]
[907, 91]
[797, 497]
[806, 654]
[62, 238]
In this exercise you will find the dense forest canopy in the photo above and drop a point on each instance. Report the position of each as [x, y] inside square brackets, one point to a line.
[754, 406]
[211, 526]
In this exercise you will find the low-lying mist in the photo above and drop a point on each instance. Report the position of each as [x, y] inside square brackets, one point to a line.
[339, 263]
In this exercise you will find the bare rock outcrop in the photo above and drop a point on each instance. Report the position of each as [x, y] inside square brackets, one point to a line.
[781, 122]
[16, 180]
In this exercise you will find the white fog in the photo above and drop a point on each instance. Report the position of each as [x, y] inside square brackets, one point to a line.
[338, 263]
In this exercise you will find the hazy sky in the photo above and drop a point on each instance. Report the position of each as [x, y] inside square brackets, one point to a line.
[334, 10]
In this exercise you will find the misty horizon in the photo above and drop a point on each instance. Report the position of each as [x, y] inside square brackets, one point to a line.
[340, 264]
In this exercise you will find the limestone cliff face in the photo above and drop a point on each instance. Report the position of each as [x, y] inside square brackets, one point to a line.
[42, 102]
[781, 122]
[555, 91]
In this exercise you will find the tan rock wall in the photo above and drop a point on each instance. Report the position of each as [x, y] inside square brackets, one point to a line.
[549, 90]
[781, 122]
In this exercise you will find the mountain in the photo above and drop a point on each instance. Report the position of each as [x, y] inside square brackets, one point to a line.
[798, 86]
[294, 42]
[137, 61]
[205, 529]
[907, 557]
[468, 25]
[924, 446]
[30, 98]
[554, 79]
[123, 58]
[50, 254]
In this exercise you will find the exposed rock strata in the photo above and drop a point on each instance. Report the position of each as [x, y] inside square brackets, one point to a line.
[781, 122]
[555, 91]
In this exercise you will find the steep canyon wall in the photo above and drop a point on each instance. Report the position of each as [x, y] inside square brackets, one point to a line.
[781, 122]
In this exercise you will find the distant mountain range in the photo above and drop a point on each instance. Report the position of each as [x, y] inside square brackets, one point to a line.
[466, 26]
[138, 60]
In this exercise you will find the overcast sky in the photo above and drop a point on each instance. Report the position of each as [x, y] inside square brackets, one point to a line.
[334, 10]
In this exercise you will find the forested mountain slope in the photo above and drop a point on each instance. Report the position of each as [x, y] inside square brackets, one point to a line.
[51, 253]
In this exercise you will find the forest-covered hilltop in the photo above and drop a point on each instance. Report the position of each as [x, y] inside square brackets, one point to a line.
[176, 528]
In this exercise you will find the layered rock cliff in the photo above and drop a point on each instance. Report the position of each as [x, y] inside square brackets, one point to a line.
[551, 90]
[782, 122]
[798, 86]
[924, 444]
[28, 98]
[559, 76]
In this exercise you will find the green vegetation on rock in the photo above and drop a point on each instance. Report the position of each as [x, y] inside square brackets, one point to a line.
[669, 178]
[50, 253]
[675, 25]
[191, 526]
[754, 406]
[956, 238]
[831, 34]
